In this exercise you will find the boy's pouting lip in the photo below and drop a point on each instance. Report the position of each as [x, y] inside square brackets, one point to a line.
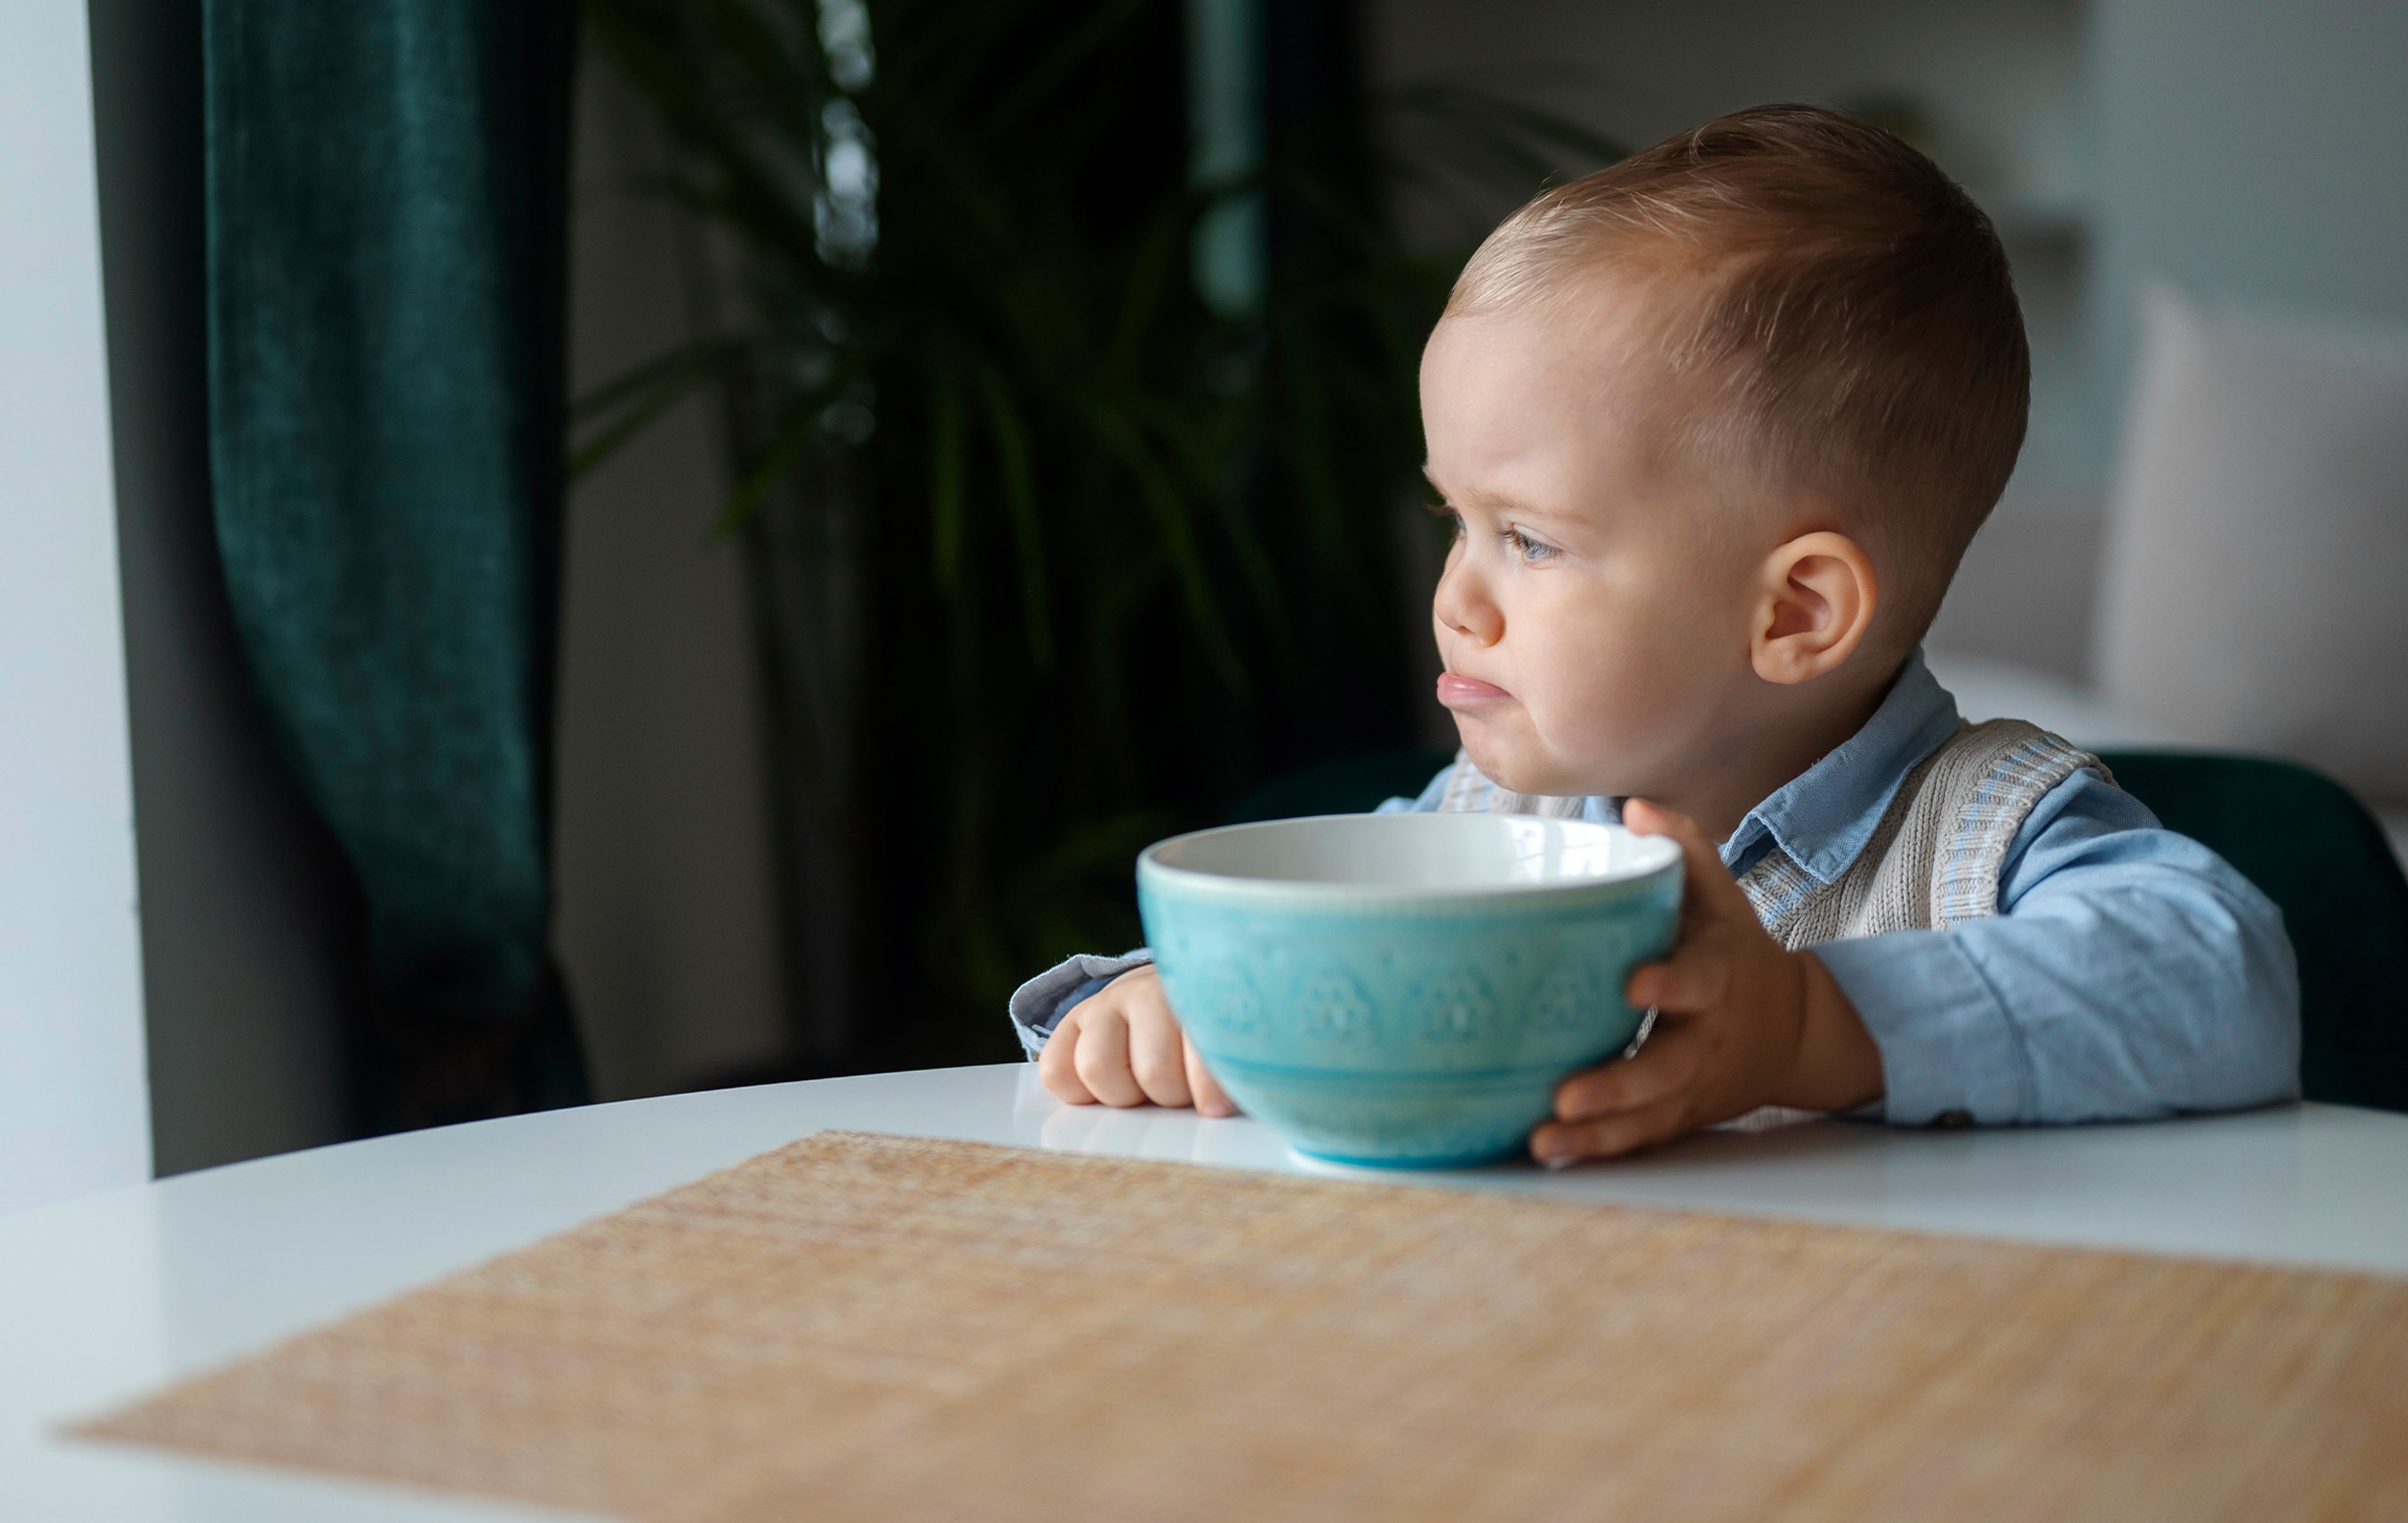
[1714, 426]
[1457, 690]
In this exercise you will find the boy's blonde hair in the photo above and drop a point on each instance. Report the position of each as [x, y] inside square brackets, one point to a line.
[1856, 329]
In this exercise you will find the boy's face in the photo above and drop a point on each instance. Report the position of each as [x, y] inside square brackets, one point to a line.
[1593, 617]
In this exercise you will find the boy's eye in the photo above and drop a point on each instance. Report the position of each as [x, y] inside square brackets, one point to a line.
[1447, 511]
[1531, 551]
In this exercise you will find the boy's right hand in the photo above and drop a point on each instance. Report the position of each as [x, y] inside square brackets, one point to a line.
[1121, 1045]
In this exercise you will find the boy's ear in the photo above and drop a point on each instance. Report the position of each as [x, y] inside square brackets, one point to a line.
[1816, 599]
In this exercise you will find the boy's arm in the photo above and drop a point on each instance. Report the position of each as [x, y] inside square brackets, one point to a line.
[1038, 1005]
[2131, 972]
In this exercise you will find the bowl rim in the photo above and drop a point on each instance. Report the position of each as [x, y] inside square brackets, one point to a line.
[1152, 872]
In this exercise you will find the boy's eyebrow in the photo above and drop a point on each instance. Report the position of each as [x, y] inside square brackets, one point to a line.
[1496, 502]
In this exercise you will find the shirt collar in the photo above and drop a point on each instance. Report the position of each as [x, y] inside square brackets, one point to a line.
[1823, 817]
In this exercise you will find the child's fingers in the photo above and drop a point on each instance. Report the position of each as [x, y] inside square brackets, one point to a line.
[1157, 1052]
[1653, 819]
[1667, 1067]
[1210, 1098]
[1057, 1067]
[1561, 1141]
[1707, 886]
[1102, 1058]
[1695, 977]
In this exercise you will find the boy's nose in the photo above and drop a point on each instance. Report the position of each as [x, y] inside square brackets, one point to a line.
[1464, 606]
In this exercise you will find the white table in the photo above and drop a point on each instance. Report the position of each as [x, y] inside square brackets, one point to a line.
[104, 1298]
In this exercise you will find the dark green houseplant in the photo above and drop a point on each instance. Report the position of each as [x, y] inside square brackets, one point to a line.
[1077, 554]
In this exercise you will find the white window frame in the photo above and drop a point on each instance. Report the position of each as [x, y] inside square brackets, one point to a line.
[75, 1112]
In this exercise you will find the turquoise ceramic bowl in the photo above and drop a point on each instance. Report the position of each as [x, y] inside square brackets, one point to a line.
[1406, 990]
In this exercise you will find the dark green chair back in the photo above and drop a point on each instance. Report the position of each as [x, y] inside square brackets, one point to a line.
[2311, 847]
[2300, 837]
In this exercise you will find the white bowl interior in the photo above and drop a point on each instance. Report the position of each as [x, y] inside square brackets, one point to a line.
[1456, 852]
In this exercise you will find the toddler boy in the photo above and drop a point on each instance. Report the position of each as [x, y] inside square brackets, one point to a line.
[1715, 426]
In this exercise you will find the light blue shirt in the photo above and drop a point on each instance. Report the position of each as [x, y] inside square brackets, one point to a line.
[2131, 972]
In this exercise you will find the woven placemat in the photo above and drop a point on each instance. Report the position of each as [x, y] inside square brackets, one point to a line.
[867, 1327]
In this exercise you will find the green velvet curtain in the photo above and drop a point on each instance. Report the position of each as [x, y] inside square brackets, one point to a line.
[386, 183]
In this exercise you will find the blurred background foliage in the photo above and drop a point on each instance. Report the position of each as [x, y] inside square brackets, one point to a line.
[1074, 422]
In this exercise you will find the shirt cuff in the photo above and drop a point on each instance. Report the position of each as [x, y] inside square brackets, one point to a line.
[1950, 1053]
[1038, 1006]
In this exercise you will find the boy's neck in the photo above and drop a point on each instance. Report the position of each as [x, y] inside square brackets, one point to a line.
[1813, 723]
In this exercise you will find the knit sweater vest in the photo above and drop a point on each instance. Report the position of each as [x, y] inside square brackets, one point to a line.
[1932, 862]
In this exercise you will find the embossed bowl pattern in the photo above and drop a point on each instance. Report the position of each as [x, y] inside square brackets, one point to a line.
[1405, 990]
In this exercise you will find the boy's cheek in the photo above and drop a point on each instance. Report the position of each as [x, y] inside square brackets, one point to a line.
[1617, 733]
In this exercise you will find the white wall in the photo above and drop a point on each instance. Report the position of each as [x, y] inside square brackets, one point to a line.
[74, 1107]
[2250, 151]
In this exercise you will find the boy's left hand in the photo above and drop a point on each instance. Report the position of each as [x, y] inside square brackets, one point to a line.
[1741, 1022]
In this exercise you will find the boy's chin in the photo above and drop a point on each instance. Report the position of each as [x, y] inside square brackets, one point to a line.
[1501, 763]
[1516, 767]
